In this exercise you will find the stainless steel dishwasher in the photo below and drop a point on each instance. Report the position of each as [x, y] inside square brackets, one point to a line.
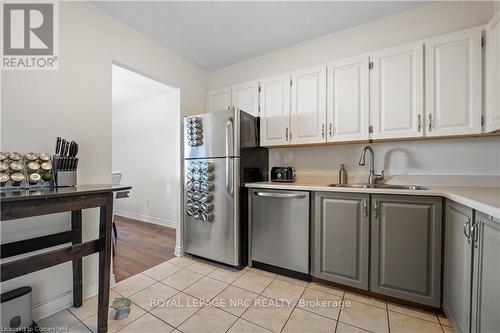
[279, 229]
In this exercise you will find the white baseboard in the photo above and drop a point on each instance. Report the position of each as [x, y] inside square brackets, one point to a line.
[60, 302]
[179, 251]
[64, 301]
[146, 218]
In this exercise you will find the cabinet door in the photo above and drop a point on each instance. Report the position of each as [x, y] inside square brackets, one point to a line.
[486, 276]
[275, 110]
[245, 96]
[341, 238]
[492, 119]
[396, 92]
[219, 99]
[348, 99]
[457, 266]
[406, 248]
[453, 83]
[308, 116]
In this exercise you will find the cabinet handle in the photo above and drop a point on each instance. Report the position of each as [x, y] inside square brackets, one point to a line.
[365, 208]
[419, 122]
[322, 131]
[467, 229]
[430, 122]
[475, 233]
[330, 130]
[286, 134]
[375, 208]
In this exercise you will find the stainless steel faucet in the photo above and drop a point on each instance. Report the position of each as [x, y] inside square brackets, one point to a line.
[372, 177]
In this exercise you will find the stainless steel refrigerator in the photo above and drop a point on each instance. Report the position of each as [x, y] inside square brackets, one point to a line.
[221, 153]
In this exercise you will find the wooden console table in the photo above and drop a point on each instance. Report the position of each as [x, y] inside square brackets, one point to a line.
[28, 203]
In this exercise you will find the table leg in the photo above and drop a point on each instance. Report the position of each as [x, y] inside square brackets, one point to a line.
[76, 227]
[105, 225]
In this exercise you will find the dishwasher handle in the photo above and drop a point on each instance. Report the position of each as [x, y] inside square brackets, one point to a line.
[280, 195]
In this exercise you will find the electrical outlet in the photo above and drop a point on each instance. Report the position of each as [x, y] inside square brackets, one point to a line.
[148, 203]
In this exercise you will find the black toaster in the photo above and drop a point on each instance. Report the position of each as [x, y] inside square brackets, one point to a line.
[282, 174]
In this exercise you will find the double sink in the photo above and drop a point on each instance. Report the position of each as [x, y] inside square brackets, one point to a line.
[385, 186]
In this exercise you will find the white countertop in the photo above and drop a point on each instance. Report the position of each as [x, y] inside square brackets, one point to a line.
[484, 199]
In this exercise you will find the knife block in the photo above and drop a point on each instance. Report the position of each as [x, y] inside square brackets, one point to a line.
[65, 178]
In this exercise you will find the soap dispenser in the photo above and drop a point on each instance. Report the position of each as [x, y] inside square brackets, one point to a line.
[342, 174]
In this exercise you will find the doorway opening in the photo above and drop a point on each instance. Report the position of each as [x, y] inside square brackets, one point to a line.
[145, 155]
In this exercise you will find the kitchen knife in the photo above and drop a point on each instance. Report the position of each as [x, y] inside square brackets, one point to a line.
[63, 147]
[58, 145]
[72, 147]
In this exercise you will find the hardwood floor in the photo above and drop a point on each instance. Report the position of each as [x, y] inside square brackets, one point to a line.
[140, 246]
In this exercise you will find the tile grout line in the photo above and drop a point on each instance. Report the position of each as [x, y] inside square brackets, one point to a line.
[388, 320]
[294, 307]
[413, 316]
[340, 310]
[133, 320]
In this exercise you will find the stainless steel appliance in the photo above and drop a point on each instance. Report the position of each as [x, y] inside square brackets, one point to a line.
[221, 152]
[279, 230]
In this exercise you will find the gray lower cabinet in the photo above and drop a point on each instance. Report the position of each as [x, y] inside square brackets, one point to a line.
[406, 247]
[486, 275]
[341, 227]
[458, 266]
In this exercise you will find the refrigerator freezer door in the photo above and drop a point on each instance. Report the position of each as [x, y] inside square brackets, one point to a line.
[219, 237]
[218, 132]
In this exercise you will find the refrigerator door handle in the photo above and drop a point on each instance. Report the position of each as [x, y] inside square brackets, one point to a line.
[229, 139]
[229, 176]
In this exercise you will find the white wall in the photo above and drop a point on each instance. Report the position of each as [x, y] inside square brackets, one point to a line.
[145, 138]
[75, 102]
[422, 22]
[471, 156]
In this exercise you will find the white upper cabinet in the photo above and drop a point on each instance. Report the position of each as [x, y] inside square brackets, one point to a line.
[492, 119]
[308, 106]
[245, 96]
[396, 92]
[453, 83]
[348, 99]
[275, 110]
[219, 99]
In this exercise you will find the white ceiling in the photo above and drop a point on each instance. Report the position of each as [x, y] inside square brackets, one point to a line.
[217, 34]
[130, 87]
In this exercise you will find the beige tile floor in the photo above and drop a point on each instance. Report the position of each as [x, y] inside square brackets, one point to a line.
[196, 296]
